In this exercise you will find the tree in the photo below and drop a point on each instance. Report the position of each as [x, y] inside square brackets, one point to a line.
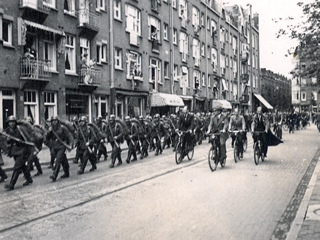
[308, 35]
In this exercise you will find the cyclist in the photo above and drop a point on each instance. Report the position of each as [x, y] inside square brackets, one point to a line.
[237, 122]
[219, 123]
[186, 125]
[260, 123]
[277, 121]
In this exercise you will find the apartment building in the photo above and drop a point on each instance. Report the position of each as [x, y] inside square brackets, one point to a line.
[127, 57]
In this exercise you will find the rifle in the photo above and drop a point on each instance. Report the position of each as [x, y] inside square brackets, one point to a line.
[84, 139]
[115, 142]
[18, 140]
[60, 140]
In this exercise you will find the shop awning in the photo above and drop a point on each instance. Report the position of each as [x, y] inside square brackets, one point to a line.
[43, 27]
[263, 101]
[221, 103]
[164, 99]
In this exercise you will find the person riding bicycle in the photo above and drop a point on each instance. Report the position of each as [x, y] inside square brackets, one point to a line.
[261, 124]
[219, 123]
[237, 122]
[277, 123]
[186, 125]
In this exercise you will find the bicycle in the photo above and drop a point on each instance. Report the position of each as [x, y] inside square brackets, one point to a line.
[236, 148]
[214, 152]
[257, 148]
[277, 130]
[181, 151]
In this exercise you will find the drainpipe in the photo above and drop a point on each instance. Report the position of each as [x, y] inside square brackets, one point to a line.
[111, 66]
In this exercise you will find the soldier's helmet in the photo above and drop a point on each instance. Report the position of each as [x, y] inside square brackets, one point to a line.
[11, 119]
[83, 119]
[29, 119]
[55, 118]
[49, 120]
[141, 118]
[112, 117]
[99, 118]
[75, 119]
[127, 119]
[157, 116]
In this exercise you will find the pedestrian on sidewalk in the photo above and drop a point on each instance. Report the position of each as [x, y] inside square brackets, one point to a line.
[19, 150]
[59, 138]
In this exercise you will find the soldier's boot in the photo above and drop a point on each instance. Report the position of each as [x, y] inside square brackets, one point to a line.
[3, 175]
[134, 156]
[65, 167]
[113, 160]
[38, 166]
[80, 171]
[14, 178]
[129, 156]
[119, 158]
[27, 176]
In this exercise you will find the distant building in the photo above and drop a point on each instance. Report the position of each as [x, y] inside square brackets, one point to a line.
[276, 89]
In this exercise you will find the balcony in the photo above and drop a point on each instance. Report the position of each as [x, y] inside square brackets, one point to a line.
[155, 46]
[88, 23]
[90, 78]
[35, 69]
[244, 98]
[244, 78]
[34, 10]
[155, 5]
[197, 29]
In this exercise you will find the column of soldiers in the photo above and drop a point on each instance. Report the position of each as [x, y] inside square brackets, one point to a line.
[141, 135]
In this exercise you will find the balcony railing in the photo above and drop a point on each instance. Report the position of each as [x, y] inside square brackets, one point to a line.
[88, 19]
[35, 69]
[90, 76]
[35, 4]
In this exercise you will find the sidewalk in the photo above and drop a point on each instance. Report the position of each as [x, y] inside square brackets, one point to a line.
[44, 157]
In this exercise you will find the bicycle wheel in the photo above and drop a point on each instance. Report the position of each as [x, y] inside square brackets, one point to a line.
[212, 159]
[245, 145]
[222, 161]
[178, 154]
[190, 153]
[256, 153]
[285, 127]
[236, 153]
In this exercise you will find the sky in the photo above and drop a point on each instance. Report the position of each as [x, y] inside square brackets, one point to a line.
[273, 49]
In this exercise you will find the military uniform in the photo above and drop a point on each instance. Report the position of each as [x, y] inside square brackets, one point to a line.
[20, 152]
[132, 139]
[57, 136]
[115, 134]
[102, 149]
[143, 137]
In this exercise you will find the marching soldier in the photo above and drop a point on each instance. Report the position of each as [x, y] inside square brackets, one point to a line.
[115, 137]
[60, 139]
[132, 139]
[19, 150]
[144, 138]
[86, 140]
[75, 123]
[33, 158]
[158, 133]
[102, 149]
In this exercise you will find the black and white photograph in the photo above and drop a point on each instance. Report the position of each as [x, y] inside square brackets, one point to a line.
[160, 119]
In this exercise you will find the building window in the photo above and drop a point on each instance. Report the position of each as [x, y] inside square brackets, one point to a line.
[49, 53]
[174, 3]
[85, 48]
[184, 79]
[183, 11]
[175, 37]
[214, 59]
[98, 48]
[133, 19]
[101, 5]
[202, 50]
[175, 72]
[203, 79]
[202, 19]
[166, 70]
[165, 31]
[213, 28]
[117, 9]
[50, 3]
[50, 108]
[183, 39]
[69, 6]
[154, 28]
[155, 73]
[133, 65]
[104, 51]
[7, 32]
[118, 58]
[222, 64]
[195, 16]
[196, 79]
[70, 54]
[303, 96]
[196, 51]
[208, 23]
[30, 104]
